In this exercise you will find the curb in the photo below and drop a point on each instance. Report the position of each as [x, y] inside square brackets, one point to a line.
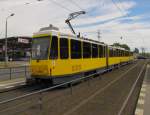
[139, 110]
[12, 86]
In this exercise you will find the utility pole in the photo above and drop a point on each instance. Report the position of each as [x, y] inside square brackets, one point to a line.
[143, 51]
[6, 55]
[98, 35]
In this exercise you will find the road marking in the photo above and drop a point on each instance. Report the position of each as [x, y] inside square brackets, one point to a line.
[96, 93]
[139, 111]
[7, 84]
[141, 102]
[143, 89]
[144, 85]
[14, 85]
[9, 87]
[1, 85]
[142, 94]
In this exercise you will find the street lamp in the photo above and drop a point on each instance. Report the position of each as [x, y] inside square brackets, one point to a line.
[6, 56]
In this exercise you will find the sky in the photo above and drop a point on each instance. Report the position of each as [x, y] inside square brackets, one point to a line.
[115, 19]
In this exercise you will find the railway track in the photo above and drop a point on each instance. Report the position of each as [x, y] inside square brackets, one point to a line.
[62, 102]
[6, 95]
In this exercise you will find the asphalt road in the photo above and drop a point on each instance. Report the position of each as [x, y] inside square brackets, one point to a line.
[101, 96]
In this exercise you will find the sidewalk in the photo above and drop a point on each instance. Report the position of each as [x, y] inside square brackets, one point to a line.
[11, 84]
[143, 105]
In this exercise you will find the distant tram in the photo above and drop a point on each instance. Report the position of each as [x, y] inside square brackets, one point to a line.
[59, 57]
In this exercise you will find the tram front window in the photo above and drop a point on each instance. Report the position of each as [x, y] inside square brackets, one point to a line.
[40, 48]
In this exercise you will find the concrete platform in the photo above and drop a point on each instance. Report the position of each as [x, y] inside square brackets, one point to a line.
[11, 84]
[143, 105]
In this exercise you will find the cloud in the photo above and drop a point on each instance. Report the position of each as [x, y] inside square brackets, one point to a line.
[101, 15]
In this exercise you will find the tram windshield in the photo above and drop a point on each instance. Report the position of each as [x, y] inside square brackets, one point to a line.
[40, 48]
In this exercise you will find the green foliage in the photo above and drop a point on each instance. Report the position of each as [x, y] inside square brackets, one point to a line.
[125, 46]
[145, 54]
[136, 50]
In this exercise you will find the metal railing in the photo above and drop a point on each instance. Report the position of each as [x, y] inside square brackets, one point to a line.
[39, 94]
[9, 73]
[88, 78]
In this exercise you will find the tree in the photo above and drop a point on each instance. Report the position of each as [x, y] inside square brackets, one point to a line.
[116, 44]
[136, 50]
[125, 46]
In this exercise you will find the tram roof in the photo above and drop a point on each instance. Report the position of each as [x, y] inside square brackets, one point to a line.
[70, 36]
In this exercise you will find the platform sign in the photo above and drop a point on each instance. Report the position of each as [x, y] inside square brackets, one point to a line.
[21, 40]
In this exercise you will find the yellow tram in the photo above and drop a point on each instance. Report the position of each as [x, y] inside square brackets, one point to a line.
[62, 57]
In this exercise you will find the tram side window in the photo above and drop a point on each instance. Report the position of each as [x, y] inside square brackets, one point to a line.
[94, 51]
[121, 53]
[110, 52]
[75, 49]
[126, 53]
[100, 51]
[54, 48]
[104, 51]
[118, 53]
[113, 53]
[64, 53]
[86, 50]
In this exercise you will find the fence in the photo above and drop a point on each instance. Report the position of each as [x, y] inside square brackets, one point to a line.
[14, 72]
